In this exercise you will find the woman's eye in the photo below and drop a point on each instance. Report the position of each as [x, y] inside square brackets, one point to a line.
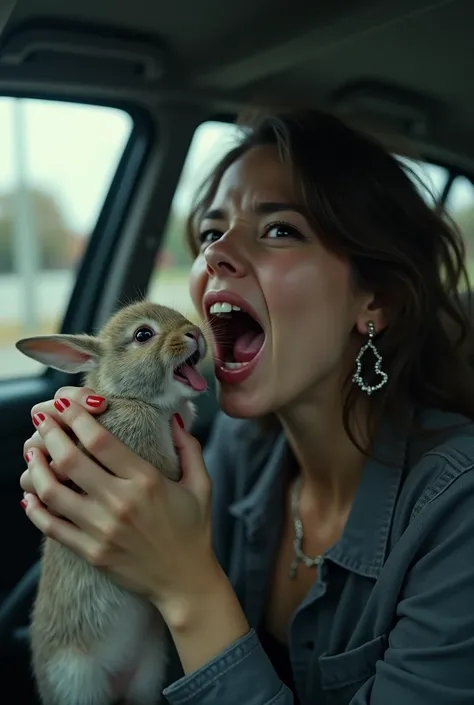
[209, 236]
[143, 335]
[276, 231]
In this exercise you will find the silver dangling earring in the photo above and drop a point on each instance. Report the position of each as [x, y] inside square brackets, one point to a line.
[367, 388]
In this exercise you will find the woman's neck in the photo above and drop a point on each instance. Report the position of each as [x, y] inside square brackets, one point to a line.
[329, 462]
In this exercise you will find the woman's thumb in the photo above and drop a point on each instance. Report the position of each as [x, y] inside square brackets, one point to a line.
[195, 475]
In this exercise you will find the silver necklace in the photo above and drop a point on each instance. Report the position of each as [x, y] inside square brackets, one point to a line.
[299, 555]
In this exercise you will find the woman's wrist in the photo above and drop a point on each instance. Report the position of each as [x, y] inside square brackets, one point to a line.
[205, 621]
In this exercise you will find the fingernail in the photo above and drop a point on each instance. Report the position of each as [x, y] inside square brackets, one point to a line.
[94, 401]
[28, 456]
[62, 404]
[38, 418]
[24, 503]
[179, 420]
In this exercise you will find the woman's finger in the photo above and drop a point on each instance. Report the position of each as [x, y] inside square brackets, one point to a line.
[195, 475]
[34, 441]
[88, 398]
[110, 452]
[70, 461]
[93, 403]
[57, 497]
[59, 529]
[26, 482]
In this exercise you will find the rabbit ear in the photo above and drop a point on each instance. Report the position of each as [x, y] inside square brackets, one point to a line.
[68, 353]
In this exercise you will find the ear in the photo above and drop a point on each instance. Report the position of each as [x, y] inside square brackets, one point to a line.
[372, 309]
[68, 353]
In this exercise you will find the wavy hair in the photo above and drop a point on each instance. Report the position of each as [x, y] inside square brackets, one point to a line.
[366, 206]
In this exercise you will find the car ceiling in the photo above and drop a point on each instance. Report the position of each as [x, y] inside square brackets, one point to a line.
[404, 65]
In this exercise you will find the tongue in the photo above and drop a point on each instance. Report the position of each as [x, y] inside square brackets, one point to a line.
[196, 380]
[248, 345]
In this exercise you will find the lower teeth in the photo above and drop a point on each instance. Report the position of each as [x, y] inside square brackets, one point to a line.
[234, 365]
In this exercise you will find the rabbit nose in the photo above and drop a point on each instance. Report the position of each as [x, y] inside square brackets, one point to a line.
[198, 337]
[194, 334]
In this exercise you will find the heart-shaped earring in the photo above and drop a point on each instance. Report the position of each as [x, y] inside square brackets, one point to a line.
[357, 378]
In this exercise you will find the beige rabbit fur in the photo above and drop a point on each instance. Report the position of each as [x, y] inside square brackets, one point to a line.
[94, 643]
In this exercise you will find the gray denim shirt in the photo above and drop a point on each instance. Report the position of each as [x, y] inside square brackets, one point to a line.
[389, 619]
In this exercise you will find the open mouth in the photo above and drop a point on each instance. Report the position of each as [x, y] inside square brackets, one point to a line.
[238, 336]
[187, 374]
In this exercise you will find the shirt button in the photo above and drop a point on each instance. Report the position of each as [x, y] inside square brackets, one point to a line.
[309, 645]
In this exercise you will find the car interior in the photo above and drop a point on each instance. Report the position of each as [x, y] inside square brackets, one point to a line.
[111, 115]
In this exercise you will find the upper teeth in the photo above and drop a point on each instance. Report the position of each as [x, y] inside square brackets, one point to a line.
[223, 307]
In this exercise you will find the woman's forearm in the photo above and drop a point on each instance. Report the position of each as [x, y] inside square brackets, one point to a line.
[206, 621]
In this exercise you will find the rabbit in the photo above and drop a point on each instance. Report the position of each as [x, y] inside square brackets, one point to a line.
[93, 642]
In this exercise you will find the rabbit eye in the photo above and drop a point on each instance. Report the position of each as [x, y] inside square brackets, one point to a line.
[142, 335]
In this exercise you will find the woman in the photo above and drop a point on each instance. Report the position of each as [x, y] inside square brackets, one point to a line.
[341, 565]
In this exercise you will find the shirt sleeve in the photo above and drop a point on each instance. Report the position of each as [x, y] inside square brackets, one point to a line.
[429, 659]
[240, 674]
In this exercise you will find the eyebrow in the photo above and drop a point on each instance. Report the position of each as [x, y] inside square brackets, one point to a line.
[260, 209]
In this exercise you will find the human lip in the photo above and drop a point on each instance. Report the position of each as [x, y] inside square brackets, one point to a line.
[238, 375]
[214, 298]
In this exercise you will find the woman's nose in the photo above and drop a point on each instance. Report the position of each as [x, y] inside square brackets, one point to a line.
[224, 259]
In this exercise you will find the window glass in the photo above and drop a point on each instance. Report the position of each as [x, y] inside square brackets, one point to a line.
[460, 206]
[58, 161]
[169, 283]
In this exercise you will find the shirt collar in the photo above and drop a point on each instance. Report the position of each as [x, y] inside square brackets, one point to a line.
[362, 546]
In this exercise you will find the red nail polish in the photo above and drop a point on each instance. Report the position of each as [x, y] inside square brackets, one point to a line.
[179, 420]
[38, 418]
[24, 503]
[94, 401]
[62, 404]
[28, 456]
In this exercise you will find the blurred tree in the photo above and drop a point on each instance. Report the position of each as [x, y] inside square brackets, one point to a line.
[174, 241]
[57, 243]
[465, 222]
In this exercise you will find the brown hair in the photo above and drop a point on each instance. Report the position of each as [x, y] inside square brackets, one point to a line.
[364, 206]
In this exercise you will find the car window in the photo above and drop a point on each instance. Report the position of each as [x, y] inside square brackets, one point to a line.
[459, 204]
[430, 179]
[460, 207]
[58, 161]
[169, 282]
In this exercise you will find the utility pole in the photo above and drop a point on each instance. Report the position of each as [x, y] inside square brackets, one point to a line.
[25, 241]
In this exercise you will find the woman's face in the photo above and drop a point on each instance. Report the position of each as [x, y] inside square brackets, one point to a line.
[258, 252]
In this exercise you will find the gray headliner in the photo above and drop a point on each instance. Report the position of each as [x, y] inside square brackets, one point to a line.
[275, 51]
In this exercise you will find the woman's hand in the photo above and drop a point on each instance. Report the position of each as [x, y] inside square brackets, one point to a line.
[150, 534]
[81, 395]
